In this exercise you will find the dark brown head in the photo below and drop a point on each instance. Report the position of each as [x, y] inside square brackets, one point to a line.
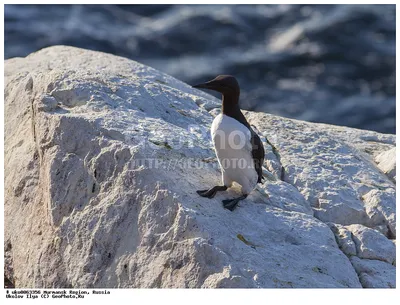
[229, 87]
[225, 84]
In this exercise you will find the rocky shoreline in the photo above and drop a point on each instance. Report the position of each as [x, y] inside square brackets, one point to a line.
[81, 211]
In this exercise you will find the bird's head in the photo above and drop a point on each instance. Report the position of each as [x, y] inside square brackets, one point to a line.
[225, 84]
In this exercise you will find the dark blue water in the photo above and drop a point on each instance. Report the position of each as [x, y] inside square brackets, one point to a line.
[323, 63]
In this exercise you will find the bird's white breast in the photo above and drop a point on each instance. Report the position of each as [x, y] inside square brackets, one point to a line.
[232, 145]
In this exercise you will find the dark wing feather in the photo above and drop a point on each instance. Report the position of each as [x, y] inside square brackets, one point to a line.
[258, 154]
[257, 150]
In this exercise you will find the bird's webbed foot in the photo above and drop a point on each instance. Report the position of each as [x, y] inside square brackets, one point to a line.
[231, 204]
[212, 191]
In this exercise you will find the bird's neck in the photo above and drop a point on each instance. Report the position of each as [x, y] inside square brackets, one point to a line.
[230, 107]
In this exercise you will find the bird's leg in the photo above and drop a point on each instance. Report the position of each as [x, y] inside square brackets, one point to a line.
[212, 191]
[230, 204]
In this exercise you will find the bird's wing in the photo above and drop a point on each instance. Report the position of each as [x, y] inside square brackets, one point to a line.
[258, 154]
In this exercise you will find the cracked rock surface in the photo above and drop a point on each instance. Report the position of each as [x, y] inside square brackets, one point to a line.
[103, 157]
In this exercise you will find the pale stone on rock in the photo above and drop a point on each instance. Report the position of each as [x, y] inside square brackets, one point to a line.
[375, 273]
[381, 208]
[103, 156]
[372, 244]
[344, 239]
[387, 162]
[371, 253]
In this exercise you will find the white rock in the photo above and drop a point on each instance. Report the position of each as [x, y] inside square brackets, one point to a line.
[333, 168]
[380, 207]
[372, 244]
[374, 273]
[99, 191]
[344, 239]
[387, 162]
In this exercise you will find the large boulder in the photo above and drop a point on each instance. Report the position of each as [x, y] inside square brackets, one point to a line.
[103, 157]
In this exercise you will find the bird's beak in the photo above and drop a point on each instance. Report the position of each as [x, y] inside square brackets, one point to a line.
[207, 85]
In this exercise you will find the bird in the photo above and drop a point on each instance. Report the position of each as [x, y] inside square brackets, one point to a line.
[239, 149]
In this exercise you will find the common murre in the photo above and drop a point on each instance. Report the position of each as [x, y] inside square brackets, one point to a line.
[240, 162]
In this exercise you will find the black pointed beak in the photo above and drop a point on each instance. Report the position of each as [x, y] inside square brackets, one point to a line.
[211, 85]
[203, 86]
